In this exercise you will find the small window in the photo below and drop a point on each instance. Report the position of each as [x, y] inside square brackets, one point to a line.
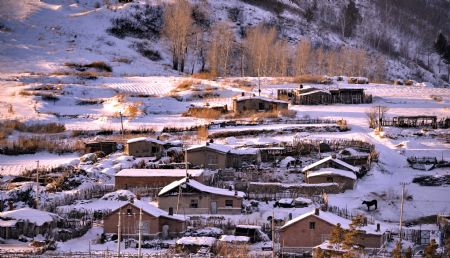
[228, 203]
[155, 149]
[312, 225]
[194, 203]
[212, 160]
[129, 212]
[329, 179]
[261, 106]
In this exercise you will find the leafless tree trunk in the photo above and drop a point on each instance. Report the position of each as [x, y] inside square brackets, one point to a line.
[177, 28]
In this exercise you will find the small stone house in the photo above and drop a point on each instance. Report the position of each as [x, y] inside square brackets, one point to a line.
[144, 147]
[218, 156]
[254, 104]
[331, 162]
[106, 147]
[155, 222]
[313, 228]
[152, 178]
[344, 178]
[27, 222]
[188, 196]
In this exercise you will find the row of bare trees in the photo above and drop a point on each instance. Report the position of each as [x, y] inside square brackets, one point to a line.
[260, 52]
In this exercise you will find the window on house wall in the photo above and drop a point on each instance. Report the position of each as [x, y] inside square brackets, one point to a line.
[261, 106]
[228, 203]
[129, 212]
[194, 203]
[329, 179]
[155, 149]
[312, 225]
[212, 159]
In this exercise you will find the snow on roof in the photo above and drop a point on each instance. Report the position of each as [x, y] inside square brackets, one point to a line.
[260, 98]
[153, 210]
[330, 172]
[201, 187]
[330, 158]
[34, 216]
[248, 226]
[224, 149]
[234, 239]
[286, 200]
[334, 220]
[200, 241]
[141, 139]
[313, 92]
[132, 172]
[303, 200]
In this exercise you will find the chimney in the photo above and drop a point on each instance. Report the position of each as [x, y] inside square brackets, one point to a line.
[235, 193]
[378, 227]
[138, 196]
[211, 140]
[242, 94]
[290, 216]
[207, 143]
[230, 188]
[333, 155]
[316, 212]
[132, 200]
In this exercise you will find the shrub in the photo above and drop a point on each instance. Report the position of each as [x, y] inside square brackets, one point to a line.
[203, 76]
[99, 65]
[145, 23]
[183, 85]
[90, 101]
[204, 113]
[31, 145]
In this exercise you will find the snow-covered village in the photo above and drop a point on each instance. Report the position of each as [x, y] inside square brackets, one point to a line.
[225, 128]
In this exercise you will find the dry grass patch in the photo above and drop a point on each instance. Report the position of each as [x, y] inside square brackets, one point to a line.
[204, 76]
[204, 113]
[184, 85]
[308, 78]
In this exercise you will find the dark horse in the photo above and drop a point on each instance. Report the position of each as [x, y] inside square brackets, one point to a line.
[370, 204]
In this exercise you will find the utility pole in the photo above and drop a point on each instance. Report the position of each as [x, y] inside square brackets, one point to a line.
[37, 184]
[185, 160]
[273, 234]
[121, 123]
[401, 215]
[119, 231]
[140, 234]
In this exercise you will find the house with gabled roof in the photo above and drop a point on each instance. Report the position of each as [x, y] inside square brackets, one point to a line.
[220, 156]
[331, 162]
[254, 104]
[155, 222]
[344, 178]
[313, 228]
[148, 147]
[188, 196]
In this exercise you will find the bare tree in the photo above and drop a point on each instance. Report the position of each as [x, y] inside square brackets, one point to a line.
[375, 115]
[177, 28]
[220, 49]
[302, 57]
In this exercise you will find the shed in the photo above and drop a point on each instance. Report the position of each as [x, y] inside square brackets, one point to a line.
[346, 179]
[106, 147]
[28, 222]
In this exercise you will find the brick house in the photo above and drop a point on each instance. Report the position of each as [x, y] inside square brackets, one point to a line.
[218, 156]
[193, 197]
[313, 228]
[155, 222]
[256, 104]
[346, 179]
[152, 178]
